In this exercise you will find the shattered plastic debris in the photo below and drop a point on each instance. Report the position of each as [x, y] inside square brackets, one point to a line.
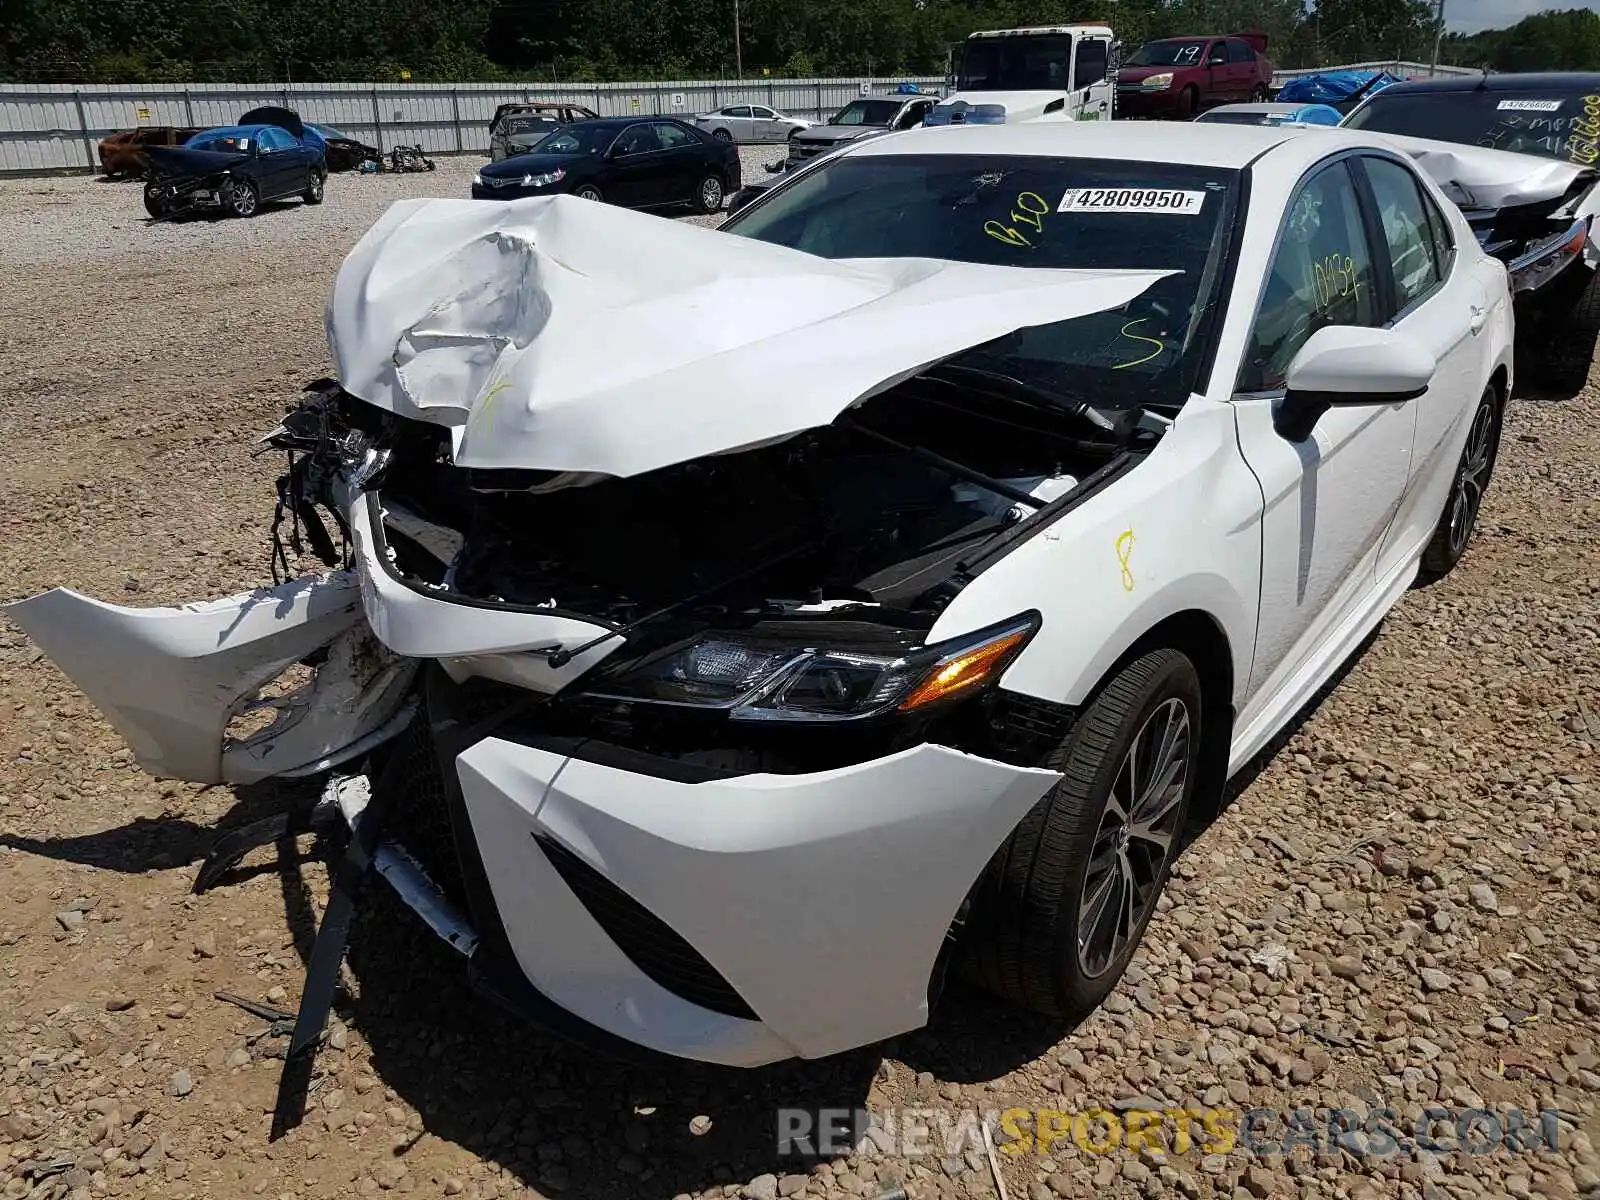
[1273, 958]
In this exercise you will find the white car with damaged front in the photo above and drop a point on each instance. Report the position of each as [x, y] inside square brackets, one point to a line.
[736, 628]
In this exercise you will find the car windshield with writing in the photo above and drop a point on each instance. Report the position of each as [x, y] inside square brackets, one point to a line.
[1014, 64]
[866, 112]
[1553, 123]
[1166, 54]
[577, 139]
[1086, 214]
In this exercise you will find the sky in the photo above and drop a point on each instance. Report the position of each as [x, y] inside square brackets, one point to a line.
[1469, 16]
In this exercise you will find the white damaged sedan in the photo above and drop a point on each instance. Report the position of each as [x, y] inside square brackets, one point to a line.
[727, 631]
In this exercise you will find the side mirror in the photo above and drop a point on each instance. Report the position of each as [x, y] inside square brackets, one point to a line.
[1346, 365]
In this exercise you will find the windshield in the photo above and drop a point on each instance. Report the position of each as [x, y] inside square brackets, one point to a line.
[1035, 212]
[1167, 54]
[1015, 64]
[529, 123]
[1553, 123]
[225, 144]
[577, 139]
[866, 112]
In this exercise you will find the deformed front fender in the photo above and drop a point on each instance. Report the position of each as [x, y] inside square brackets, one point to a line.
[170, 680]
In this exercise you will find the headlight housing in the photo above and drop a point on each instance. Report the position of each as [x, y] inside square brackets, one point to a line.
[546, 179]
[1156, 83]
[764, 677]
[477, 179]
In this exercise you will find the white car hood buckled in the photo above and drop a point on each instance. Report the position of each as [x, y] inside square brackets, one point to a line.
[1476, 177]
[558, 334]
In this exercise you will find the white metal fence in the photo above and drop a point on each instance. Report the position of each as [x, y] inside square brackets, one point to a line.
[52, 127]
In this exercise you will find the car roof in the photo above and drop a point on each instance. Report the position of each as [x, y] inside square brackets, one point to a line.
[618, 122]
[1033, 30]
[1287, 148]
[239, 131]
[1529, 81]
[1145, 141]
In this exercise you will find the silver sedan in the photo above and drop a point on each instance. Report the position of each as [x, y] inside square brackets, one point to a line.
[750, 123]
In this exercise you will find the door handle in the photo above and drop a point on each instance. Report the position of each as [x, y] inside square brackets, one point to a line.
[1479, 316]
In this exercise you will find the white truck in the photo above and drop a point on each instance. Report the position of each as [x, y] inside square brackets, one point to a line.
[1043, 73]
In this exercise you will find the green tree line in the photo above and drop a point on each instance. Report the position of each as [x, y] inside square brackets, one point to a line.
[587, 40]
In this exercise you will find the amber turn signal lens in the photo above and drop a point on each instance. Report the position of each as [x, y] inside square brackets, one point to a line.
[971, 669]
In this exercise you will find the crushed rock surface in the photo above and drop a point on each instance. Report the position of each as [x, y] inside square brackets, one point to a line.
[1397, 910]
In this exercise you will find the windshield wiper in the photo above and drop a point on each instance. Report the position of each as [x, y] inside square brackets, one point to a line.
[1028, 392]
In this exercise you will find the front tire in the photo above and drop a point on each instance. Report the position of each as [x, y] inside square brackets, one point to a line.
[1064, 902]
[1461, 507]
[155, 202]
[1259, 96]
[589, 192]
[1188, 101]
[710, 194]
[240, 198]
[315, 184]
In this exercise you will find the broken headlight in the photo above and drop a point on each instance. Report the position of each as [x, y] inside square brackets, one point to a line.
[761, 681]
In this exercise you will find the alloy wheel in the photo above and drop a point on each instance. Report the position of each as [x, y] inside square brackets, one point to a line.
[1467, 495]
[587, 193]
[243, 201]
[711, 193]
[1136, 836]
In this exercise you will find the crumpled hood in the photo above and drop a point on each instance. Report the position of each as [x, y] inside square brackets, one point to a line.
[1475, 177]
[558, 334]
[1019, 106]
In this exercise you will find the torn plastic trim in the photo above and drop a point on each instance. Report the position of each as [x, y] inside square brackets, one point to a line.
[351, 794]
[170, 680]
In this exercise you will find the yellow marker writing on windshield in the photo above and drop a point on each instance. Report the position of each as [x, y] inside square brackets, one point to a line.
[1124, 553]
[1139, 337]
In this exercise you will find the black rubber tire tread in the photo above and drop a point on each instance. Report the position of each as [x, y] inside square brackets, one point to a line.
[1567, 353]
[1020, 943]
[1437, 560]
[311, 195]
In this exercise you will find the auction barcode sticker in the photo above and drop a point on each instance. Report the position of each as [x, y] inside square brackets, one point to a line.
[1132, 200]
[1529, 105]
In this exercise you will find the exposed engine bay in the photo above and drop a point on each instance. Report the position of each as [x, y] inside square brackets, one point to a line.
[721, 575]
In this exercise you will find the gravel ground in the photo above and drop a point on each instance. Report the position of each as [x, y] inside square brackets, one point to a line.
[1397, 910]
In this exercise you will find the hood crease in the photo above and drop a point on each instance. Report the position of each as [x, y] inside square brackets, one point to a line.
[556, 334]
